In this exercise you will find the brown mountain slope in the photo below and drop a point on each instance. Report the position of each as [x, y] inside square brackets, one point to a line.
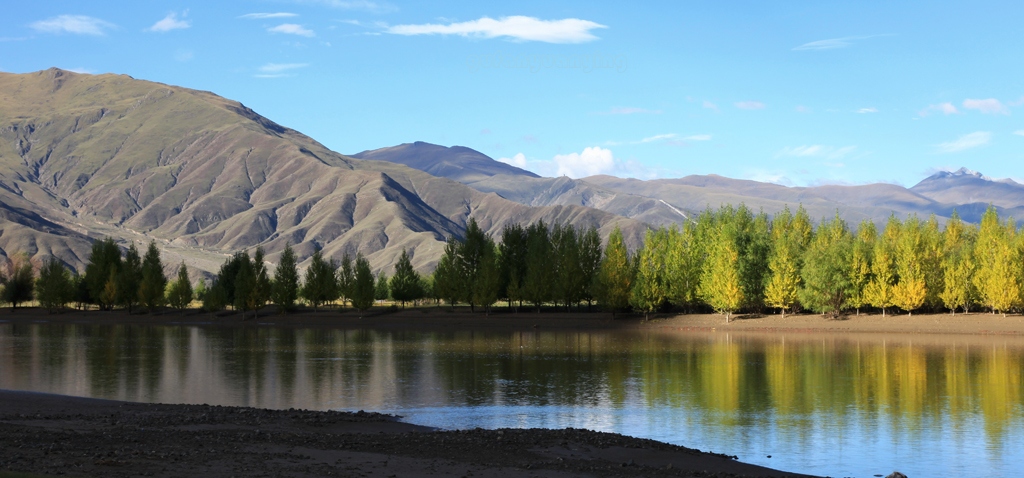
[457, 162]
[205, 177]
[966, 186]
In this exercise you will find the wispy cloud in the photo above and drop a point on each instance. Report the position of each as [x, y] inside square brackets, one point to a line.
[989, 106]
[183, 55]
[658, 137]
[709, 106]
[671, 138]
[802, 109]
[292, 29]
[261, 16]
[171, 22]
[364, 5]
[630, 111]
[1019, 132]
[749, 105]
[78, 24]
[278, 70]
[867, 110]
[518, 28]
[834, 43]
[816, 151]
[944, 108]
[965, 142]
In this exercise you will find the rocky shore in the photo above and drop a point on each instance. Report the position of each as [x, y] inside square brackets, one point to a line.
[60, 435]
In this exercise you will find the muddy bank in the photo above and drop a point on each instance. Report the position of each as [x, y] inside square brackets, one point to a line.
[56, 435]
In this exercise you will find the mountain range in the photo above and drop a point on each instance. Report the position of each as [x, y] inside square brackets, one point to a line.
[88, 156]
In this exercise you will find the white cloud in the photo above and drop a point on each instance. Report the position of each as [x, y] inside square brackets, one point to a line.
[658, 137]
[519, 28]
[990, 106]
[592, 161]
[965, 142]
[278, 70]
[709, 105]
[816, 151]
[698, 137]
[802, 109]
[365, 5]
[750, 105]
[834, 43]
[79, 24]
[171, 22]
[631, 111]
[183, 55]
[260, 16]
[944, 108]
[292, 29]
[1019, 132]
[868, 110]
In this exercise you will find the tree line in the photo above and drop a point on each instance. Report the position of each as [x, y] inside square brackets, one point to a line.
[727, 260]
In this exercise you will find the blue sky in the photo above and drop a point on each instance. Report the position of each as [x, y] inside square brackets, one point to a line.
[798, 93]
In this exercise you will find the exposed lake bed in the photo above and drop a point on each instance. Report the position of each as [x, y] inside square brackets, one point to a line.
[837, 403]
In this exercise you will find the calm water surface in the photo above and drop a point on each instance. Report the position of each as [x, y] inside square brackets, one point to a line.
[840, 406]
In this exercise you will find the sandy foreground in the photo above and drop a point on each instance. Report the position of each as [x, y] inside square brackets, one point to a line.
[57, 435]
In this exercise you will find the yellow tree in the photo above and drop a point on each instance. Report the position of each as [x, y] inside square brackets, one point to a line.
[649, 289]
[860, 264]
[931, 263]
[997, 255]
[958, 265]
[879, 292]
[910, 291]
[720, 283]
[685, 257]
[615, 276]
[784, 280]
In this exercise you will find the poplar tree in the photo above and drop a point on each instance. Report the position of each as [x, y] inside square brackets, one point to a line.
[128, 278]
[406, 283]
[910, 291]
[783, 264]
[346, 277]
[565, 255]
[245, 282]
[381, 290]
[615, 277]
[363, 287]
[826, 269]
[154, 283]
[590, 263]
[879, 292]
[683, 262]
[261, 289]
[997, 277]
[512, 262]
[54, 287]
[537, 285]
[860, 264]
[448, 277]
[485, 282]
[180, 294]
[649, 290]
[284, 289]
[720, 283]
[958, 265]
[321, 284]
[104, 262]
[931, 263]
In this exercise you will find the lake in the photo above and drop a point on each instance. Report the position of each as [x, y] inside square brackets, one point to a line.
[841, 406]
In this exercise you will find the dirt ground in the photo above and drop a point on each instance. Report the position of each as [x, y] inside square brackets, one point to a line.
[60, 435]
[443, 318]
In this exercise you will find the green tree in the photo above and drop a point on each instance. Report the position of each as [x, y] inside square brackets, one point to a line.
[381, 290]
[262, 286]
[406, 283]
[538, 283]
[216, 298]
[568, 285]
[448, 277]
[616, 275]
[683, 263]
[129, 277]
[363, 287]
[284, 289]
[245, 283]
[486, 282]
[346, 278]
[104, 261]
[512, 263]
[720, 284]
[180, 294]
[649, 288]
[151, 287]
[826, 269]
[54, 287]
[19, 283]
[321, 285]
[590, 263]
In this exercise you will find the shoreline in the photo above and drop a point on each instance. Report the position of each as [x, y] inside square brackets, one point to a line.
[443, 319]
[59, 434]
